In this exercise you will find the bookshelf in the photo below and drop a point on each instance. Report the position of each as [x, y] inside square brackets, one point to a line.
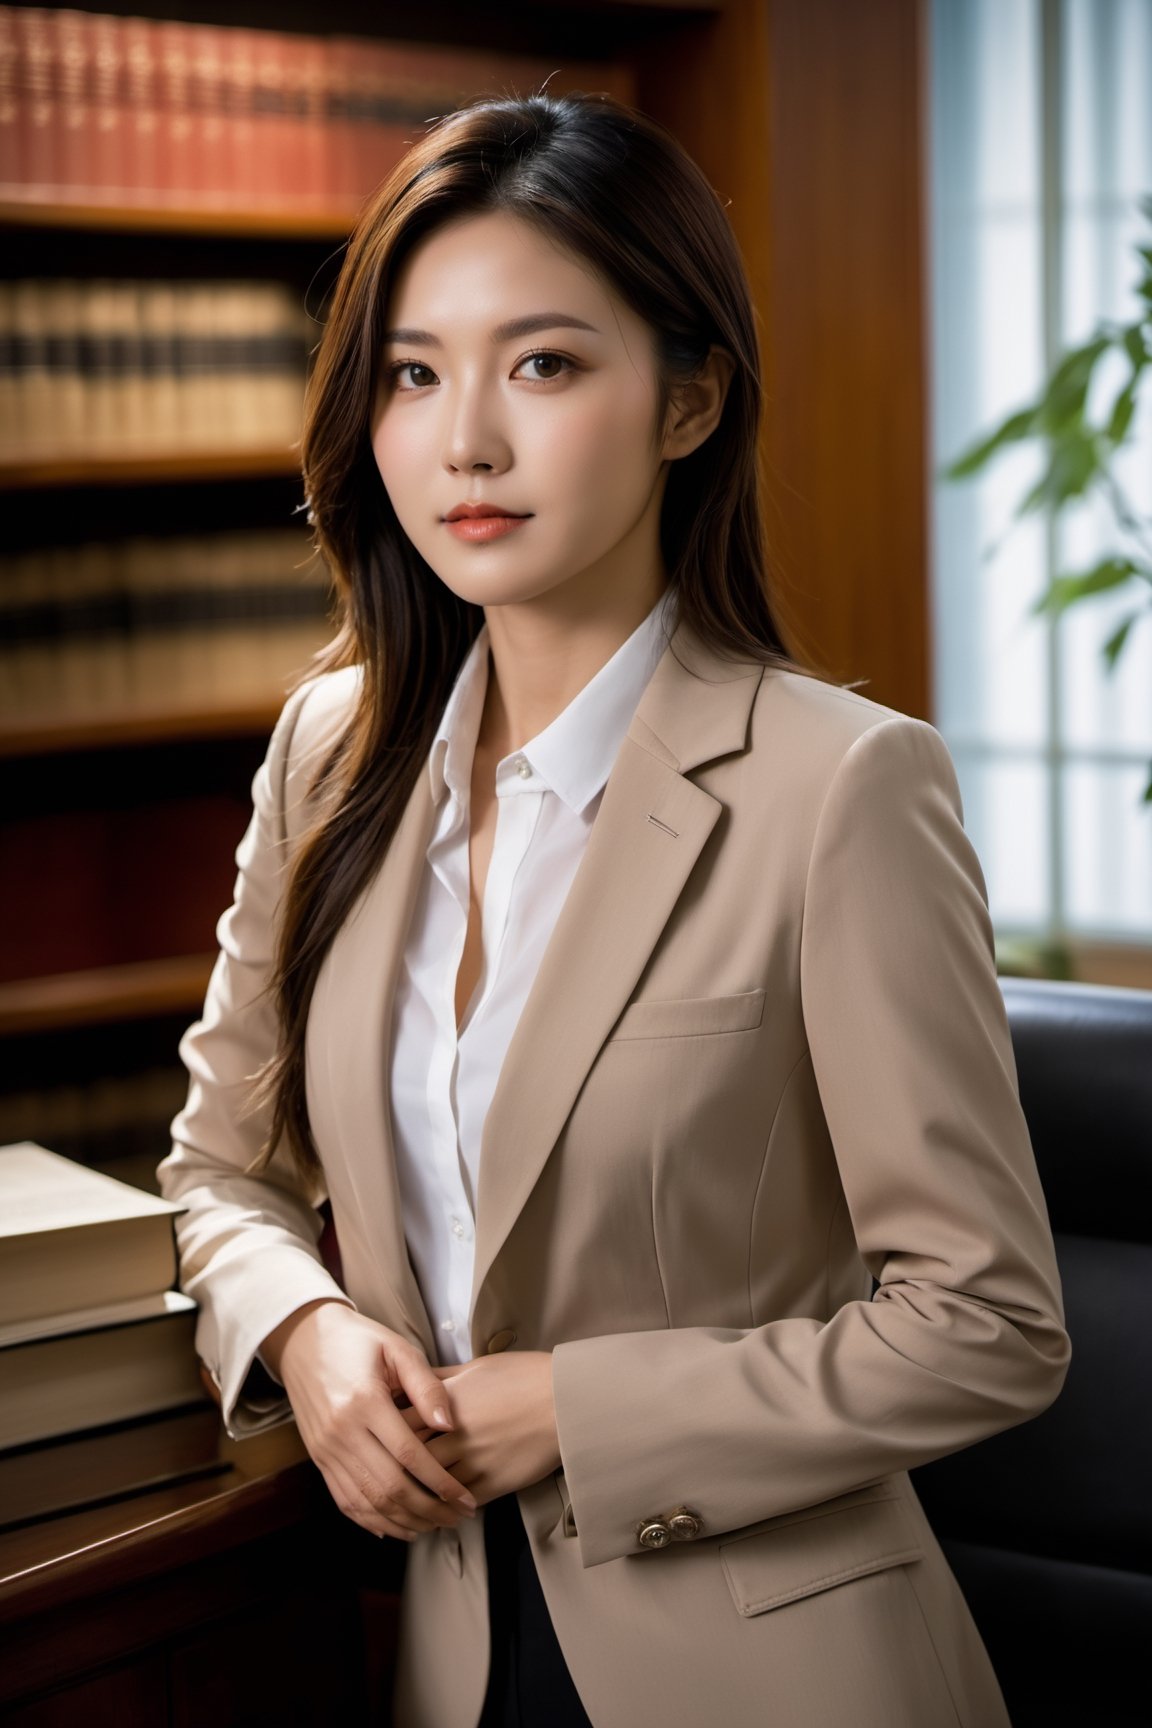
[139, 781]
[123, 816]
[818, 164]
[150, 470]
[162, 219]
[171, 985]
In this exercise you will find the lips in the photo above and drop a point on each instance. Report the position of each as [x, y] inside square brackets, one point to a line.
[473, 512]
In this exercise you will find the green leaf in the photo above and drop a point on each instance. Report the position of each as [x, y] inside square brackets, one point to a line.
[1136, 347]
[1075, 463]
[1064, 591]
[1122, 411]
[1148, 791]
[1113, 648]
[1022, 424]
[1062, 403]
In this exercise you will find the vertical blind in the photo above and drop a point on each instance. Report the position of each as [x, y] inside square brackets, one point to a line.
[1041, 147]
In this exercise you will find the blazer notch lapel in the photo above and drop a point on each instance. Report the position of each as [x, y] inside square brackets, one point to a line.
[651, 828]
[349, 1038]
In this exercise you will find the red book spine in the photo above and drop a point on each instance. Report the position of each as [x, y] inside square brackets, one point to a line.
[209, 114]
[268, 99]
[12, 175]
[293, 161]
[338, 118]
[76, 119]
[176, 171]
[38, 148]
[315, 171]
[108, 172]
[142, 155]
[240, 144]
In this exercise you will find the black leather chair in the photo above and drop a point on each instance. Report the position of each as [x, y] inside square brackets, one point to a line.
[1049, 1526]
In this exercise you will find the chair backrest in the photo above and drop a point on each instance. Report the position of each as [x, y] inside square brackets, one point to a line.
[1049, 1525]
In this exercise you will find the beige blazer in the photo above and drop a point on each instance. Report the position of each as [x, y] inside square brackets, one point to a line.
[765, 1061]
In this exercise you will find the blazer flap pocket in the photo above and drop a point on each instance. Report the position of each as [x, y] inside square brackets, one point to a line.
[689, 1016]
[813, 1553]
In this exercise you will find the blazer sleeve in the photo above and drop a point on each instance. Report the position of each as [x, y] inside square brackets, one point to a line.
[248, 1245]
[911, 1051]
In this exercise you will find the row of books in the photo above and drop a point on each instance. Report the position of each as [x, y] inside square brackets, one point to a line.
[115, 626]
[119, 1121]
[110, 368]
[92, 1327]
[135, 110]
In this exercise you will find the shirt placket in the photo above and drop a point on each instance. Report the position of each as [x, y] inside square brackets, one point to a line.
[449, 860]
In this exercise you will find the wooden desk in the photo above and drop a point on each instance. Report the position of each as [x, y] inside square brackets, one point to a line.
[236, 1597]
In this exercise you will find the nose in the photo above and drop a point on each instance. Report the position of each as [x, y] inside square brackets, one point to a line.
[474, 439]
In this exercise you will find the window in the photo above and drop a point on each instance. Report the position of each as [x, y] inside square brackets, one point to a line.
[1041, 147]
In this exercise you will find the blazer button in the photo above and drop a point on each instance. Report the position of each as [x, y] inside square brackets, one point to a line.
[500, 1341]
[684, 1525]
[653, 1533]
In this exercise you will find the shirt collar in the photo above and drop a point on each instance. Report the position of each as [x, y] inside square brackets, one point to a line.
[571, 757]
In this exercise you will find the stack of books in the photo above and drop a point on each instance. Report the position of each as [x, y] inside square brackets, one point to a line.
[135, 111]
[92, 1330]
[116, 369]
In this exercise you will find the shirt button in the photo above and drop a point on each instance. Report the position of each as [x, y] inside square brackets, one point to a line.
[447, 1325]
[523, 768]
[457, 1227]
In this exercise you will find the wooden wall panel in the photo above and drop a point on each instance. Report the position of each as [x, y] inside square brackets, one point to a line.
[808, 116]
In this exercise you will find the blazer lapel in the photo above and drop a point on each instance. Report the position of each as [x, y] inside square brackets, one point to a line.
[650, 829]
[350, 1032]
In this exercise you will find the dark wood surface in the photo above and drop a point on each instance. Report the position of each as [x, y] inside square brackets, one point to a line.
[242, 1597]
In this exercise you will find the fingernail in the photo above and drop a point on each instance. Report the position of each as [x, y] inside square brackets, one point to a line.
[467, 1500]
[441, 1417]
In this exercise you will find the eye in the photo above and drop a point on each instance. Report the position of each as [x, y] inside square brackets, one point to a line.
[547, 357]
[399, 366]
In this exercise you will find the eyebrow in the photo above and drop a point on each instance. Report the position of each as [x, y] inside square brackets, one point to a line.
[508, 332]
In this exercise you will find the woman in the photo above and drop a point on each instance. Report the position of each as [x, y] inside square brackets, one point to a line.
[629, 991]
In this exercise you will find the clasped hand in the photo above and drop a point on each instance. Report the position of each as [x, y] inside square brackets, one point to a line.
[405, 1447]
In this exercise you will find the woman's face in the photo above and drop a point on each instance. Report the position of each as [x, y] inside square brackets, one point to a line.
[553, 421]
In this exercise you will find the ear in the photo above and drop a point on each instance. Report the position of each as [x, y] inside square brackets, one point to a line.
[696, 406]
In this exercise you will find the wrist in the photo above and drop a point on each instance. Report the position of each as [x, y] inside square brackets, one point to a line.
[274, 1346]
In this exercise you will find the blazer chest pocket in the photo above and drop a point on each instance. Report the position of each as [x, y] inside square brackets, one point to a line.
[816, 1551]
[690, 1016]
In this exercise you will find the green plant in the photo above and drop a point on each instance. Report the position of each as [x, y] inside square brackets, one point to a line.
[1079, 460]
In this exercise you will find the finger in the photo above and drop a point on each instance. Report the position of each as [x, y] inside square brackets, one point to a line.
[358, 1510]
[386, 1508]
[419, 1380]
[413, 1456]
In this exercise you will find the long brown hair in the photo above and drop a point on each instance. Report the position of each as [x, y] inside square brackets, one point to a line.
[616, 189]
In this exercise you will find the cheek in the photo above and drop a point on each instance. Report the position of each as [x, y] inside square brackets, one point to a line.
[403, 465]
[608, 448]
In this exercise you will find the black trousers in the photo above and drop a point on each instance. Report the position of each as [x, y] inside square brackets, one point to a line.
[529, 1685]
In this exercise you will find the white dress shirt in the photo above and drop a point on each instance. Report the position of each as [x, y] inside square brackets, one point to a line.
[441, 1084]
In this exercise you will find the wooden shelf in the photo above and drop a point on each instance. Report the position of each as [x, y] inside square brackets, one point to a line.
[133, 992]
[145, 470]
[45, 735]
[163, 219]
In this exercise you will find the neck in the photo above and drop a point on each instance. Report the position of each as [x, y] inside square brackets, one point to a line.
[542, 656]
